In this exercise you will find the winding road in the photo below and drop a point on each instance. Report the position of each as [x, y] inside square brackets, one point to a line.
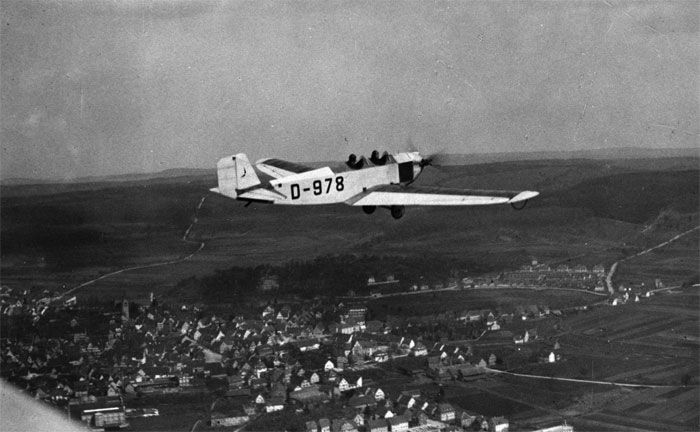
[145, 266]
[613, 268]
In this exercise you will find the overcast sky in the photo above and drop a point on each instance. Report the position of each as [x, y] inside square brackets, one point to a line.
[101, 87]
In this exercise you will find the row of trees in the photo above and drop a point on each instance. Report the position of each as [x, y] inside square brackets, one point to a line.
[332, 275]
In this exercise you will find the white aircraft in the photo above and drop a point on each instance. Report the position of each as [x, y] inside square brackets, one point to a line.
[384, 181]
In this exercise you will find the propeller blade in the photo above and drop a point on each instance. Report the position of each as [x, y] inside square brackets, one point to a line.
[436, 159]
[410, 145]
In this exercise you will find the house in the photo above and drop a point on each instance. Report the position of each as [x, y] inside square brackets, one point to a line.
[557, 428]
[343, 385]
[498, 424]
[378, 425]
[324, 425]
[492, 359]
[274, 404]
[359, 420]
[311, 426]
[420, 418]
[467, 419]
[471, 315]
[365, 348]
[357, 313]
[342, 425]
[328, 366]
[347, 384]
[420, 350]
[268, 283]
[398, 423]
[447, 412]
[250, 409]
[347, 328]
[377, 394]
[404, 400]
[308, 395]
[308, 345]
[102, 412]
[234, 418]
[381, 357]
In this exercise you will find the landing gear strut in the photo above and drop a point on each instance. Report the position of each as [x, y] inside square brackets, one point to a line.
[397, 211]
[369, 209]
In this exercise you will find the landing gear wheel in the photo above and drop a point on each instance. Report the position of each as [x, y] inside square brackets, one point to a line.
[397, 211]
[519, 205]
[369, 209]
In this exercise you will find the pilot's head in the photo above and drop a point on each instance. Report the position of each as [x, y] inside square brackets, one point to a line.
[352, 158]
[375, 154]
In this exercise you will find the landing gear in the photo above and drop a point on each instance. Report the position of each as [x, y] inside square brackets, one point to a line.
[397, 211]
[369, 209]
[519, 206]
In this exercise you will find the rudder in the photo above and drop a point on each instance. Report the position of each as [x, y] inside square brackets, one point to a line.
[235, 173]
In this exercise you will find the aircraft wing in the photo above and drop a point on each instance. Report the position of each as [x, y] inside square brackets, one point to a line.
[426, 195]
[278, 168]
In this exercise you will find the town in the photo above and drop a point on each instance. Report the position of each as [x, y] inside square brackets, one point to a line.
[309, 366]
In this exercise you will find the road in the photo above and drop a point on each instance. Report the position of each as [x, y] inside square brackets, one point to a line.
[610, 383]
[457, 288]
[140, 267]
[613, 268]
[662, 244]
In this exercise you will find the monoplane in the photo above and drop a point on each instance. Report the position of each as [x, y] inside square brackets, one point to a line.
[385, 181]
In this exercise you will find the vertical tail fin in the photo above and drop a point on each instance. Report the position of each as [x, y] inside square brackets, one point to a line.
[235, 173]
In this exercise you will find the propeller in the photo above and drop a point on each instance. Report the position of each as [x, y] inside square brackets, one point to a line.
[437, 159]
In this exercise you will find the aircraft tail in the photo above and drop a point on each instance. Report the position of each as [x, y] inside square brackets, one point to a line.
[235, 173]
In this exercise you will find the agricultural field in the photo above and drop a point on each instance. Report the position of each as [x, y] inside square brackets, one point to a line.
[674, 264]
[653, 342]
[649, 409]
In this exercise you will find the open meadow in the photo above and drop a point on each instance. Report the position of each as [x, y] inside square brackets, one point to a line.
[58, 237]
